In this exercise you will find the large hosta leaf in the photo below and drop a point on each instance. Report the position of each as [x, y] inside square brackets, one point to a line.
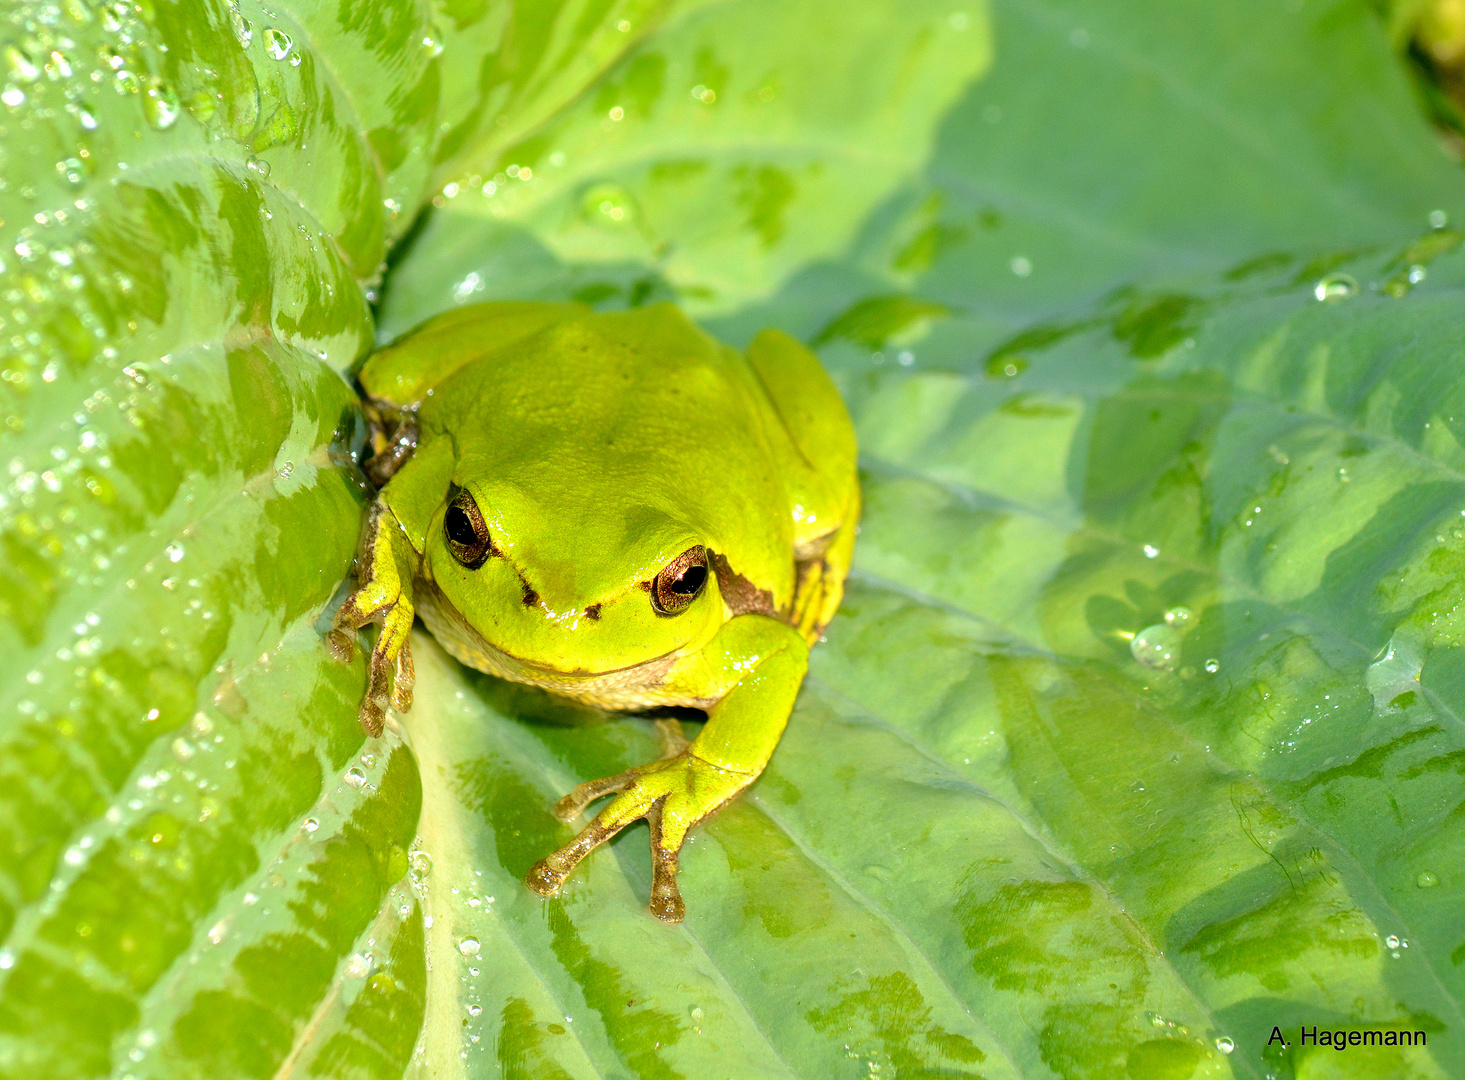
[1138, 734]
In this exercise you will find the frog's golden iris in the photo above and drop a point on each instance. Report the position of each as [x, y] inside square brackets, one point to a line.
[619, 509]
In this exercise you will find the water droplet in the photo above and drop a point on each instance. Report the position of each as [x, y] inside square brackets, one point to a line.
[1438, 219]
[1397, 672]
[278, 43]
[1335, 287]
[1179, 616]
[243, 31]
[474, 1010]
[13, 96]
[419, 865]
[1392, 941]
[1156, 646]
[160, 105]
[1138, 785]
[1213, 665]
[1427, 880]
[469, 946]
[1225, 1044]
[175, 552]
[471, 284]
[19, 66]
[258, 165]
[359, 966]
[382, 983]
[310, 824]
[1020, 265]
[1151, 552]
[356, 776]
[86, 118]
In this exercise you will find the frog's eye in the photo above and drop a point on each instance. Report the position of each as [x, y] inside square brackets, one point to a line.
[466, 533]
[678, 585]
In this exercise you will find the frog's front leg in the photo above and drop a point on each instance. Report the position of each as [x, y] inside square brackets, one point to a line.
[385, 570]
[761, 661]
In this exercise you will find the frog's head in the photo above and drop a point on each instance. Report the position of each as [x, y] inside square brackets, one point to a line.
[571, 588]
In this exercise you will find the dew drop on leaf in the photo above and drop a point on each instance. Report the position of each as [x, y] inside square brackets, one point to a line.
[19, 66]
[1179, 616]
[1156, 646]
[1335, 287]
[278, 43]
[160, 105]
[469, 946]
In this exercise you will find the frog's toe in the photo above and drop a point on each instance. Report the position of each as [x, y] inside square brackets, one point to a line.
[373, 718]
[341, 644]
[378, 693]
[666, 897]
[547, 875]
[573, 804]
[404, 679]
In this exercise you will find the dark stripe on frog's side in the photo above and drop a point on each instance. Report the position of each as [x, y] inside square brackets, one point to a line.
[740, 594]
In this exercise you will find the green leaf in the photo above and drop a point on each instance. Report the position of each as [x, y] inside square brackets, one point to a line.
[1022, 823]
[720, 156]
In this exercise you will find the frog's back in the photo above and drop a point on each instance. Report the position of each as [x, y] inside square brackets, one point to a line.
[643, 410]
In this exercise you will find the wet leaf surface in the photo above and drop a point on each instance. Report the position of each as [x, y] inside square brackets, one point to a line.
[1139, 731]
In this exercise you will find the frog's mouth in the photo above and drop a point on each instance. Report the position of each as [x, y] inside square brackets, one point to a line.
[635, 686]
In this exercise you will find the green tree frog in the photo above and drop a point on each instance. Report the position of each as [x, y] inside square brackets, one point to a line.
[619, 509]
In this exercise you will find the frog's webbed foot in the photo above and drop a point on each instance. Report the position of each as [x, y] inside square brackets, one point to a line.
[672, 795]
[383, 596]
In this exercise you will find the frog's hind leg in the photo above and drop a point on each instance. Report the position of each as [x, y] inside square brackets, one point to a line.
[824, 486]
[821, 570]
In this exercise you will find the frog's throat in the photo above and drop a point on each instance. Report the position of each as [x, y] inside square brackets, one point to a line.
[640, 686]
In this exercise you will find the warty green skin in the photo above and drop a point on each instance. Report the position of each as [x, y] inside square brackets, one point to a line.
[595, 450]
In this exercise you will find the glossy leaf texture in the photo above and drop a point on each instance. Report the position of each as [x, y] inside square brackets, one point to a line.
[203, 868]
[1139, 733]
